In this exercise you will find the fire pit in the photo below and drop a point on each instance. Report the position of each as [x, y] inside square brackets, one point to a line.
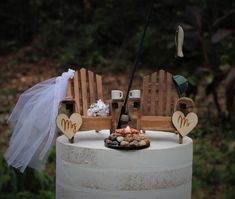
[127, 139]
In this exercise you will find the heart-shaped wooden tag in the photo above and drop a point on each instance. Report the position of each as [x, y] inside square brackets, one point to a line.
[69, 126]
[184, 124]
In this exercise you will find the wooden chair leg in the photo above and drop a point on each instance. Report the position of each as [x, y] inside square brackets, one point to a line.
[180, 139]
[113, 109]
[71, 140]
[138, 127]
[138, 124]
[112, 130]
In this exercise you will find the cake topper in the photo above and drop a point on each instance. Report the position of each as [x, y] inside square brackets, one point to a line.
[184, 124]
[184, 118]
[69, 125]
[85, 91]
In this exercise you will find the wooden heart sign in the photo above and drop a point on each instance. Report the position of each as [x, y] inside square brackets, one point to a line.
[184, 124]
[69, 126]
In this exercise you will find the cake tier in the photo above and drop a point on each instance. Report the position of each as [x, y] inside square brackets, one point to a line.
[87, 169]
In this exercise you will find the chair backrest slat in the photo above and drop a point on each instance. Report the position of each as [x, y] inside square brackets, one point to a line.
[168, 93]
[175, 97]
[153, 93]
[145, 96]
[99, 87]
[77, 92]
[91, 87]
[84, 91]
[160, 106]
[69, 94]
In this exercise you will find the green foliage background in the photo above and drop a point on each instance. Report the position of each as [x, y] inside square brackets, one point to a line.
[104, 35]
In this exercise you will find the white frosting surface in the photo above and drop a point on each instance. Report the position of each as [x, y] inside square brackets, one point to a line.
[159, 139]
[87, 169]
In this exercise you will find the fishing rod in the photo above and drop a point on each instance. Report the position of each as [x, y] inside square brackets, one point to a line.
[124, 118]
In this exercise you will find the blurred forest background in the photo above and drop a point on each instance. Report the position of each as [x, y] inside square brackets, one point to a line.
[40, 39]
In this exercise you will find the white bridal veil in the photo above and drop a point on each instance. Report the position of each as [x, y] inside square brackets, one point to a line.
[33, 123]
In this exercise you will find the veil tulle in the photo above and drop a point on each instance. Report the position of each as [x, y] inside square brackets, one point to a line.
[33, 123]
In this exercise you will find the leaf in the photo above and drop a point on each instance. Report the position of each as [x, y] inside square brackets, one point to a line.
[209, 78]
[193, 80]
[224, 67]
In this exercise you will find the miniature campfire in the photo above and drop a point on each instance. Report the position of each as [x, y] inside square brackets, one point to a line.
[127, 138]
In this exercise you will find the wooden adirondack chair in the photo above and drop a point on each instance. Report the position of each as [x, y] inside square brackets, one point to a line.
[86, 88]
[159, 97]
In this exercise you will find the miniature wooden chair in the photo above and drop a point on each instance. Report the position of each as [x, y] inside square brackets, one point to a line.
[159, 97]
[84, 89]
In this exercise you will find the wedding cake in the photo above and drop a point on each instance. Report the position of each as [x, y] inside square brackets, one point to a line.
[87, 169]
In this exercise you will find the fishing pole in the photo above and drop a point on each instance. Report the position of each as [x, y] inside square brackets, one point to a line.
[124, 118]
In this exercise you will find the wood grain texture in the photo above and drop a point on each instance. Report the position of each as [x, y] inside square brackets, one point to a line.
[77, 92]
[84, 91]
[184, 123]
[145, 96]
[175, 95]
[187, 102]
[163, 100]
[91, 87]
[168, 94]
[99, 87]
[69, 95]
[153, 94]
[160, 123]
[181, 139]
[87, 88]
[160, 106]
[113, 115]
[96, 123]
[69, 125]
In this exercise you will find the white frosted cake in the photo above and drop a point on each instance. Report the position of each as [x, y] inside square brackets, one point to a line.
[89, 170]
